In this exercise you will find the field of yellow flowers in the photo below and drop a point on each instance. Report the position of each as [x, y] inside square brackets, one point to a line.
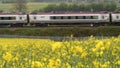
[40, 53]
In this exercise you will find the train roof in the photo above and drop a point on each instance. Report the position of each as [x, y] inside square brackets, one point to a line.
[53, 13]
[12, 14]
[115, 13]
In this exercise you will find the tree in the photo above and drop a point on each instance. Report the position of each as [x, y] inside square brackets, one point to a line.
[50, 8]
[62, 7]
[20, 6]
[117, 9]
[1, 11]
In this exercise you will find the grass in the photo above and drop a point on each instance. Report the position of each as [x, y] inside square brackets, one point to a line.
[35, 6]
[31, 6]
[8, 7]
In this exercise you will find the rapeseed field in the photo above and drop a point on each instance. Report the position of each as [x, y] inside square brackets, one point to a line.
[40, 53]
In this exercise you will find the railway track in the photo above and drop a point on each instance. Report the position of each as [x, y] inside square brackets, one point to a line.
[88, 25]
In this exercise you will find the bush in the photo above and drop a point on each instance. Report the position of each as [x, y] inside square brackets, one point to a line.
[95, 7]
[64, 31]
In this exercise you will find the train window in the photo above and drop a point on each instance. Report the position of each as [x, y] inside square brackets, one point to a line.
[76, 17]
[91, 17]
[84, 17]
[117, 17]
[65, 17]
[13, 18]
[58, 17]
[61, 17]
[88, 17]
[7, 18]
[80, 17]
[52, 17]
[34, 17]
[20, 18]
[95, 17]
[1, 18]
[69, 17]
[73, 17]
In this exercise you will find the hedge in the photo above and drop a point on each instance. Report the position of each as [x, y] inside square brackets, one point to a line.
[63, 31]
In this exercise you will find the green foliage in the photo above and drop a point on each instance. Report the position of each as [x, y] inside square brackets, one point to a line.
[1, 11]
[64, 31]
[95, 7]
[20, 6]
[62, 7]
[103, 6]
[75, 1]
[50, 8]
[118, 9]
[55, 7]
[32, 7]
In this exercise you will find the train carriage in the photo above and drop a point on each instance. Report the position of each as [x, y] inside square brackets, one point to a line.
[78, 18]
[45, 19]
[115, 17]
[13, 19]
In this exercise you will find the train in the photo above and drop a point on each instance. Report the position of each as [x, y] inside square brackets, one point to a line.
[47, 19]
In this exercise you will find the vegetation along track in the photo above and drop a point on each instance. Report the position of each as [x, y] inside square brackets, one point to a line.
[63, 31]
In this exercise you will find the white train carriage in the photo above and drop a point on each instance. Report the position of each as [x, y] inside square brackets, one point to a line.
[69, 18]
[115, 17]
[13, 19]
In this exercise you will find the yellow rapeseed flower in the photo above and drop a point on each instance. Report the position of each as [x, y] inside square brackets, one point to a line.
[75, 49]
[79, 49]
[96, 64]
[118, 62]
[51, 64]
[40, 53]
[102, 48]
[56, 45]
[84, 54]
[107, 45]
[99, 44]
[36, 64]
[7, 56]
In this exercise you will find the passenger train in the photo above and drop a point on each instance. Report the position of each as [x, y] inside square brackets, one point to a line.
[47, 19]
